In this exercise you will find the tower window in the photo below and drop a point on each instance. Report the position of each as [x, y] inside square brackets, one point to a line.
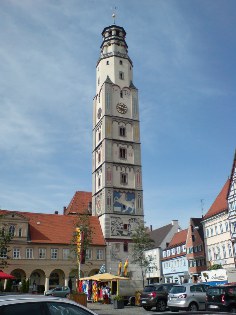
[121, 94]
[107, 62]
[99, 181]
[122, 131]
[98, 81]
[124, 178]
[121, 75]
[99, 136]
[99, 157]
[121, 62]
[125, 247]
[122, 153]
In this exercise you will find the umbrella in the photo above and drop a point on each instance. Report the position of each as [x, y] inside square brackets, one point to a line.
[103, 277]
[4, 275]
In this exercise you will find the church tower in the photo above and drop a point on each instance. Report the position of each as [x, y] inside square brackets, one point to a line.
[117, 195]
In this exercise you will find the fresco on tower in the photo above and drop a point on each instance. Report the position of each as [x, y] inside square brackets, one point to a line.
[124, 202]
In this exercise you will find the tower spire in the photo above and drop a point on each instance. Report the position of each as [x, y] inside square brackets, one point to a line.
[114, 15]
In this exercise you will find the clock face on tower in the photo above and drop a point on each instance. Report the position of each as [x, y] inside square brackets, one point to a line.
[121, 108]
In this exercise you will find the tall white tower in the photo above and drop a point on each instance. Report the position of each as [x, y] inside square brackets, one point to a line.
[117, 195]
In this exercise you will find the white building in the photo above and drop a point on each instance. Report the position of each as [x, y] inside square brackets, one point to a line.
[217, 238]
[232, 203]
[174, 261]
[117, 195]
[161, 237]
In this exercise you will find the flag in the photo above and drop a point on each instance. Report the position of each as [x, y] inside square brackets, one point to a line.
[126, 267]
[119, 268]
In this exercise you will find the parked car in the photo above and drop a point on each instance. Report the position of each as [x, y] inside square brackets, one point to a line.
[221, 298]
[155, 295]
[58, 291]
[40, 305]
[187, 296]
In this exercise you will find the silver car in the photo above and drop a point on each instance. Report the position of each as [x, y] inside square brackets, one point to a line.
[26, 304]
[187, 296]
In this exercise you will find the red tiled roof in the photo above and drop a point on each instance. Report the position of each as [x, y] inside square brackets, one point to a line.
[178, 238]
[220, 204]
[79, 203]
[56, 228]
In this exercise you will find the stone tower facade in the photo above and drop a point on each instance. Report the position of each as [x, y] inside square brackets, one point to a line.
[117, 195]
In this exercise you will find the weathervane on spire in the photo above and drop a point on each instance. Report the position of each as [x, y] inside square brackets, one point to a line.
[114, 15]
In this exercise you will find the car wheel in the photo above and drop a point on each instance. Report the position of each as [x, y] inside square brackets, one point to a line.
[233, 309]
[147, 308]
[161, 306]
[193, 307]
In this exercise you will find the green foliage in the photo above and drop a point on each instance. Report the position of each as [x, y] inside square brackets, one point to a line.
[141, 243]
[118, 298]
[8, 286]
[215, 266]
[25, 286]
[5, 239]
[82, 223]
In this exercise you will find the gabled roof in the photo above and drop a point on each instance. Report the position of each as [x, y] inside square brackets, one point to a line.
[179, 238]
[80, 203]
[159, 235]
[220, 204]
[58, 229]
[232, 172]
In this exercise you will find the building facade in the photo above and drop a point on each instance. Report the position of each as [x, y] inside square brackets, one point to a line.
[217, 236]
[161, 237]
[231, 198]
[41, 247]
[117, 195]
[195, 249]
[174, 260]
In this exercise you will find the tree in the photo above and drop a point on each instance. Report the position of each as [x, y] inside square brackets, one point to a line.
[215, 266]
[5, 239]
[82, 238]
[141, 243]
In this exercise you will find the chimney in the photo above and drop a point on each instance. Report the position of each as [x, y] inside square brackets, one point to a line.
[151, 228]
[174, 222]
[64, 210]
[56, 212]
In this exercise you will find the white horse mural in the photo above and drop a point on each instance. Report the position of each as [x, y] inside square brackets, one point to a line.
[124, 202]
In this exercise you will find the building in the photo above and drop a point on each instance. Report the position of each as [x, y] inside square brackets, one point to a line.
[217, 236]
[40, 250]
[117, 195]
[231, 199]
[195, 249]
[161, 237]
[174, 260]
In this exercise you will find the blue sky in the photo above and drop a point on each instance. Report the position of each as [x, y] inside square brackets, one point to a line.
[184, 67]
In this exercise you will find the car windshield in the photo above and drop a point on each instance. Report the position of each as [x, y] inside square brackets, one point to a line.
[149, 288]
[215, 291]
[178, 289]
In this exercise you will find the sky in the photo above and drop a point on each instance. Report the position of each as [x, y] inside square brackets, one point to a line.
[183, 54]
